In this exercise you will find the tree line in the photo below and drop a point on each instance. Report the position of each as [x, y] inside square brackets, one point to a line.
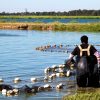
[53, 13]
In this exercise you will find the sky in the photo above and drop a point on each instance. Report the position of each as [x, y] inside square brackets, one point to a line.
[47, 5]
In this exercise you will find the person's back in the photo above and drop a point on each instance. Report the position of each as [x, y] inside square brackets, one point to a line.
[84, 49]
[82, 52]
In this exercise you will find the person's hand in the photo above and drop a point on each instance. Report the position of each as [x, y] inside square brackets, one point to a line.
[68, 62]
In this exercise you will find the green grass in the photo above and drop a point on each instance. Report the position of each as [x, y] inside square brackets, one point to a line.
[60, 17]
[55, 26]
[85, 95]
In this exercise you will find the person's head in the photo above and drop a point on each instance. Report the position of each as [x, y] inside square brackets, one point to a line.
[84, 39]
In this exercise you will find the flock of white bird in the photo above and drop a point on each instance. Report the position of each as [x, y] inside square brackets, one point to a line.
[50, 74]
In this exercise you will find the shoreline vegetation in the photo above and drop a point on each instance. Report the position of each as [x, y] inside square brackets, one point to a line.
[84, 94]
[54, 26]
[47, 17]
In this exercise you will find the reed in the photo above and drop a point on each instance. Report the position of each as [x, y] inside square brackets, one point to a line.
[55, 26]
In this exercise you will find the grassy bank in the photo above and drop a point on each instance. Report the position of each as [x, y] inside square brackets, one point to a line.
[54, 17]
[85, 95]
[56, 26]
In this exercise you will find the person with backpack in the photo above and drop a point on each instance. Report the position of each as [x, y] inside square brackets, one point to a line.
[87, 60]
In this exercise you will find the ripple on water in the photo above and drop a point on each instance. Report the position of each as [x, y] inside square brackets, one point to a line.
[18, 58]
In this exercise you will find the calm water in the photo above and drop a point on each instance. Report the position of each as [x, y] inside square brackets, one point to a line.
[66, 20]
[18, 58]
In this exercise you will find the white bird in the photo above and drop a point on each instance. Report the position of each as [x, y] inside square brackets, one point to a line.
[59, 86]
[61, 66]
[15, 91]
[33, 79]
[1, 80]
[4, 91]
[53, 75]
[59, 74]
[46, 70]
[68, 73]
[47, 86]
[16, 80]
[54, 66]
[10, 93]
[61, 70]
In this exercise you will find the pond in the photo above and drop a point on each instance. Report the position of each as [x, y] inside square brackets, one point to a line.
[18, 58]
[64, 20]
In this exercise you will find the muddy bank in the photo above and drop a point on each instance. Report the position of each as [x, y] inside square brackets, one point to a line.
[89, 27]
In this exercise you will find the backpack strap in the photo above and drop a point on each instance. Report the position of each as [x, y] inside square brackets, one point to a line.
[86, 49]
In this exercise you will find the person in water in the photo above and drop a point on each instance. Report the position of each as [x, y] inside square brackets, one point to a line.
[88, 75]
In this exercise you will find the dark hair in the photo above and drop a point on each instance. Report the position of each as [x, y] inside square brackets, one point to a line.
[84, 39]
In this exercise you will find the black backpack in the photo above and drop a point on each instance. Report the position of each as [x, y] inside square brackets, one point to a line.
[82, 66]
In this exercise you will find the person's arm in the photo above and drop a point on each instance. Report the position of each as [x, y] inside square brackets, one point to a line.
[97, 54]
[72, 54]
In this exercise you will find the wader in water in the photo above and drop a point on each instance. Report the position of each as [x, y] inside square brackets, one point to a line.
[87, 69]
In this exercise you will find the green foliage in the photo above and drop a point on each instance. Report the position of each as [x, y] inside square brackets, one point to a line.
[47, 17]
[78, 12]
[83, 96]
[56, 26]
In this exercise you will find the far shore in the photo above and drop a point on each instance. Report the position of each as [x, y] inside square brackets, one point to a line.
[55, 26]
[47, 17]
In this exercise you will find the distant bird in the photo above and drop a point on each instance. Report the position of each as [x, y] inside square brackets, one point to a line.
[59, 86]
[16, 80]
[33, 79]
[1, 80]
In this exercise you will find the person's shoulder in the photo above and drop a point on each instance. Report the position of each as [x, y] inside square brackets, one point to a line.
[76, 47]
[92, 47]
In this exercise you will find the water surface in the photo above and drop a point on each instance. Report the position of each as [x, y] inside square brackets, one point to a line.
[64, 20]
[18, 58]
